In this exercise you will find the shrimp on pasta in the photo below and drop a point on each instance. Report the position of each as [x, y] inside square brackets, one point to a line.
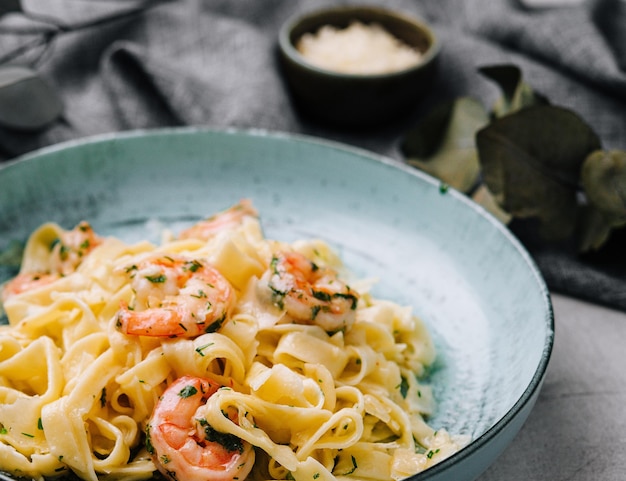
[184, 446]
[26, 281]
[67, 251]
[72, 247]
[176, 297]
[220, 222]
[310, 294]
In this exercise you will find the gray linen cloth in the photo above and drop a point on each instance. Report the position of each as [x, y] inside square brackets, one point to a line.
[128, 64]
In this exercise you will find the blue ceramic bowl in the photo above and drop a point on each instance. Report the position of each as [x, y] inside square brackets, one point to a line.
[464, 274]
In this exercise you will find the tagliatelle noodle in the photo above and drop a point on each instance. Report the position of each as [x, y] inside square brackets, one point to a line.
[76, 393]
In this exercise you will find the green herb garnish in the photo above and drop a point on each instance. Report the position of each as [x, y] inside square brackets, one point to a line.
[188, 391]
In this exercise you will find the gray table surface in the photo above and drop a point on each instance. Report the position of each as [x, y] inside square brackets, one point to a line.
[577, 430]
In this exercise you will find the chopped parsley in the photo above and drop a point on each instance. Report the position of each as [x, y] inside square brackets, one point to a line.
[404, 387]
[160, 279]
[321, 295]
[350, 297]
[64, 252]
[149, 446]
[202, 348]
[278, 295]
[194, 265]
[200, 295]
[188, 391]
[230, 442]
[54, 243]
[431, 453]
[354, 465]
[274, 265]
[214, 326]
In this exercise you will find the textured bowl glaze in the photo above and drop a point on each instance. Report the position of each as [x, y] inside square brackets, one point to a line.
[352, 100]
[464, 274]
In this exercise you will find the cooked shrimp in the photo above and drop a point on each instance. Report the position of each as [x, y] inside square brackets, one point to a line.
[310, 294]
[72, 247]
[25, 282]
[184, 446]
[67, 253]
[225, 220]
[176, 297]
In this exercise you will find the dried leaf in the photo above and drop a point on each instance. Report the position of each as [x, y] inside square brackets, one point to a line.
[516, 94]
[443, 144]
[603, 177]
[27, 102]
[595, 228]
[531, 161]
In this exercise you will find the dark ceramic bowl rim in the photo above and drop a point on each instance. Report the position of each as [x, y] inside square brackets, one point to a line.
[289, 50]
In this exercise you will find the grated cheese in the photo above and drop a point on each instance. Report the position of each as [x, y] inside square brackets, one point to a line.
[357, 49]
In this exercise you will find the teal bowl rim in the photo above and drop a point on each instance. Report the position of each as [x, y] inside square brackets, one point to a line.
[533, 387]
[290, 51]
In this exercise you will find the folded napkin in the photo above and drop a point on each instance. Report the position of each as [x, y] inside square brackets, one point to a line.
[119, 65]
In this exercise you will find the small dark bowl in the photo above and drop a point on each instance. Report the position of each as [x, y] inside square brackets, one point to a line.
[356, 100]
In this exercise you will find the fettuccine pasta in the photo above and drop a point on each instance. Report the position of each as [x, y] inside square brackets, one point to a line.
[216, 354]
